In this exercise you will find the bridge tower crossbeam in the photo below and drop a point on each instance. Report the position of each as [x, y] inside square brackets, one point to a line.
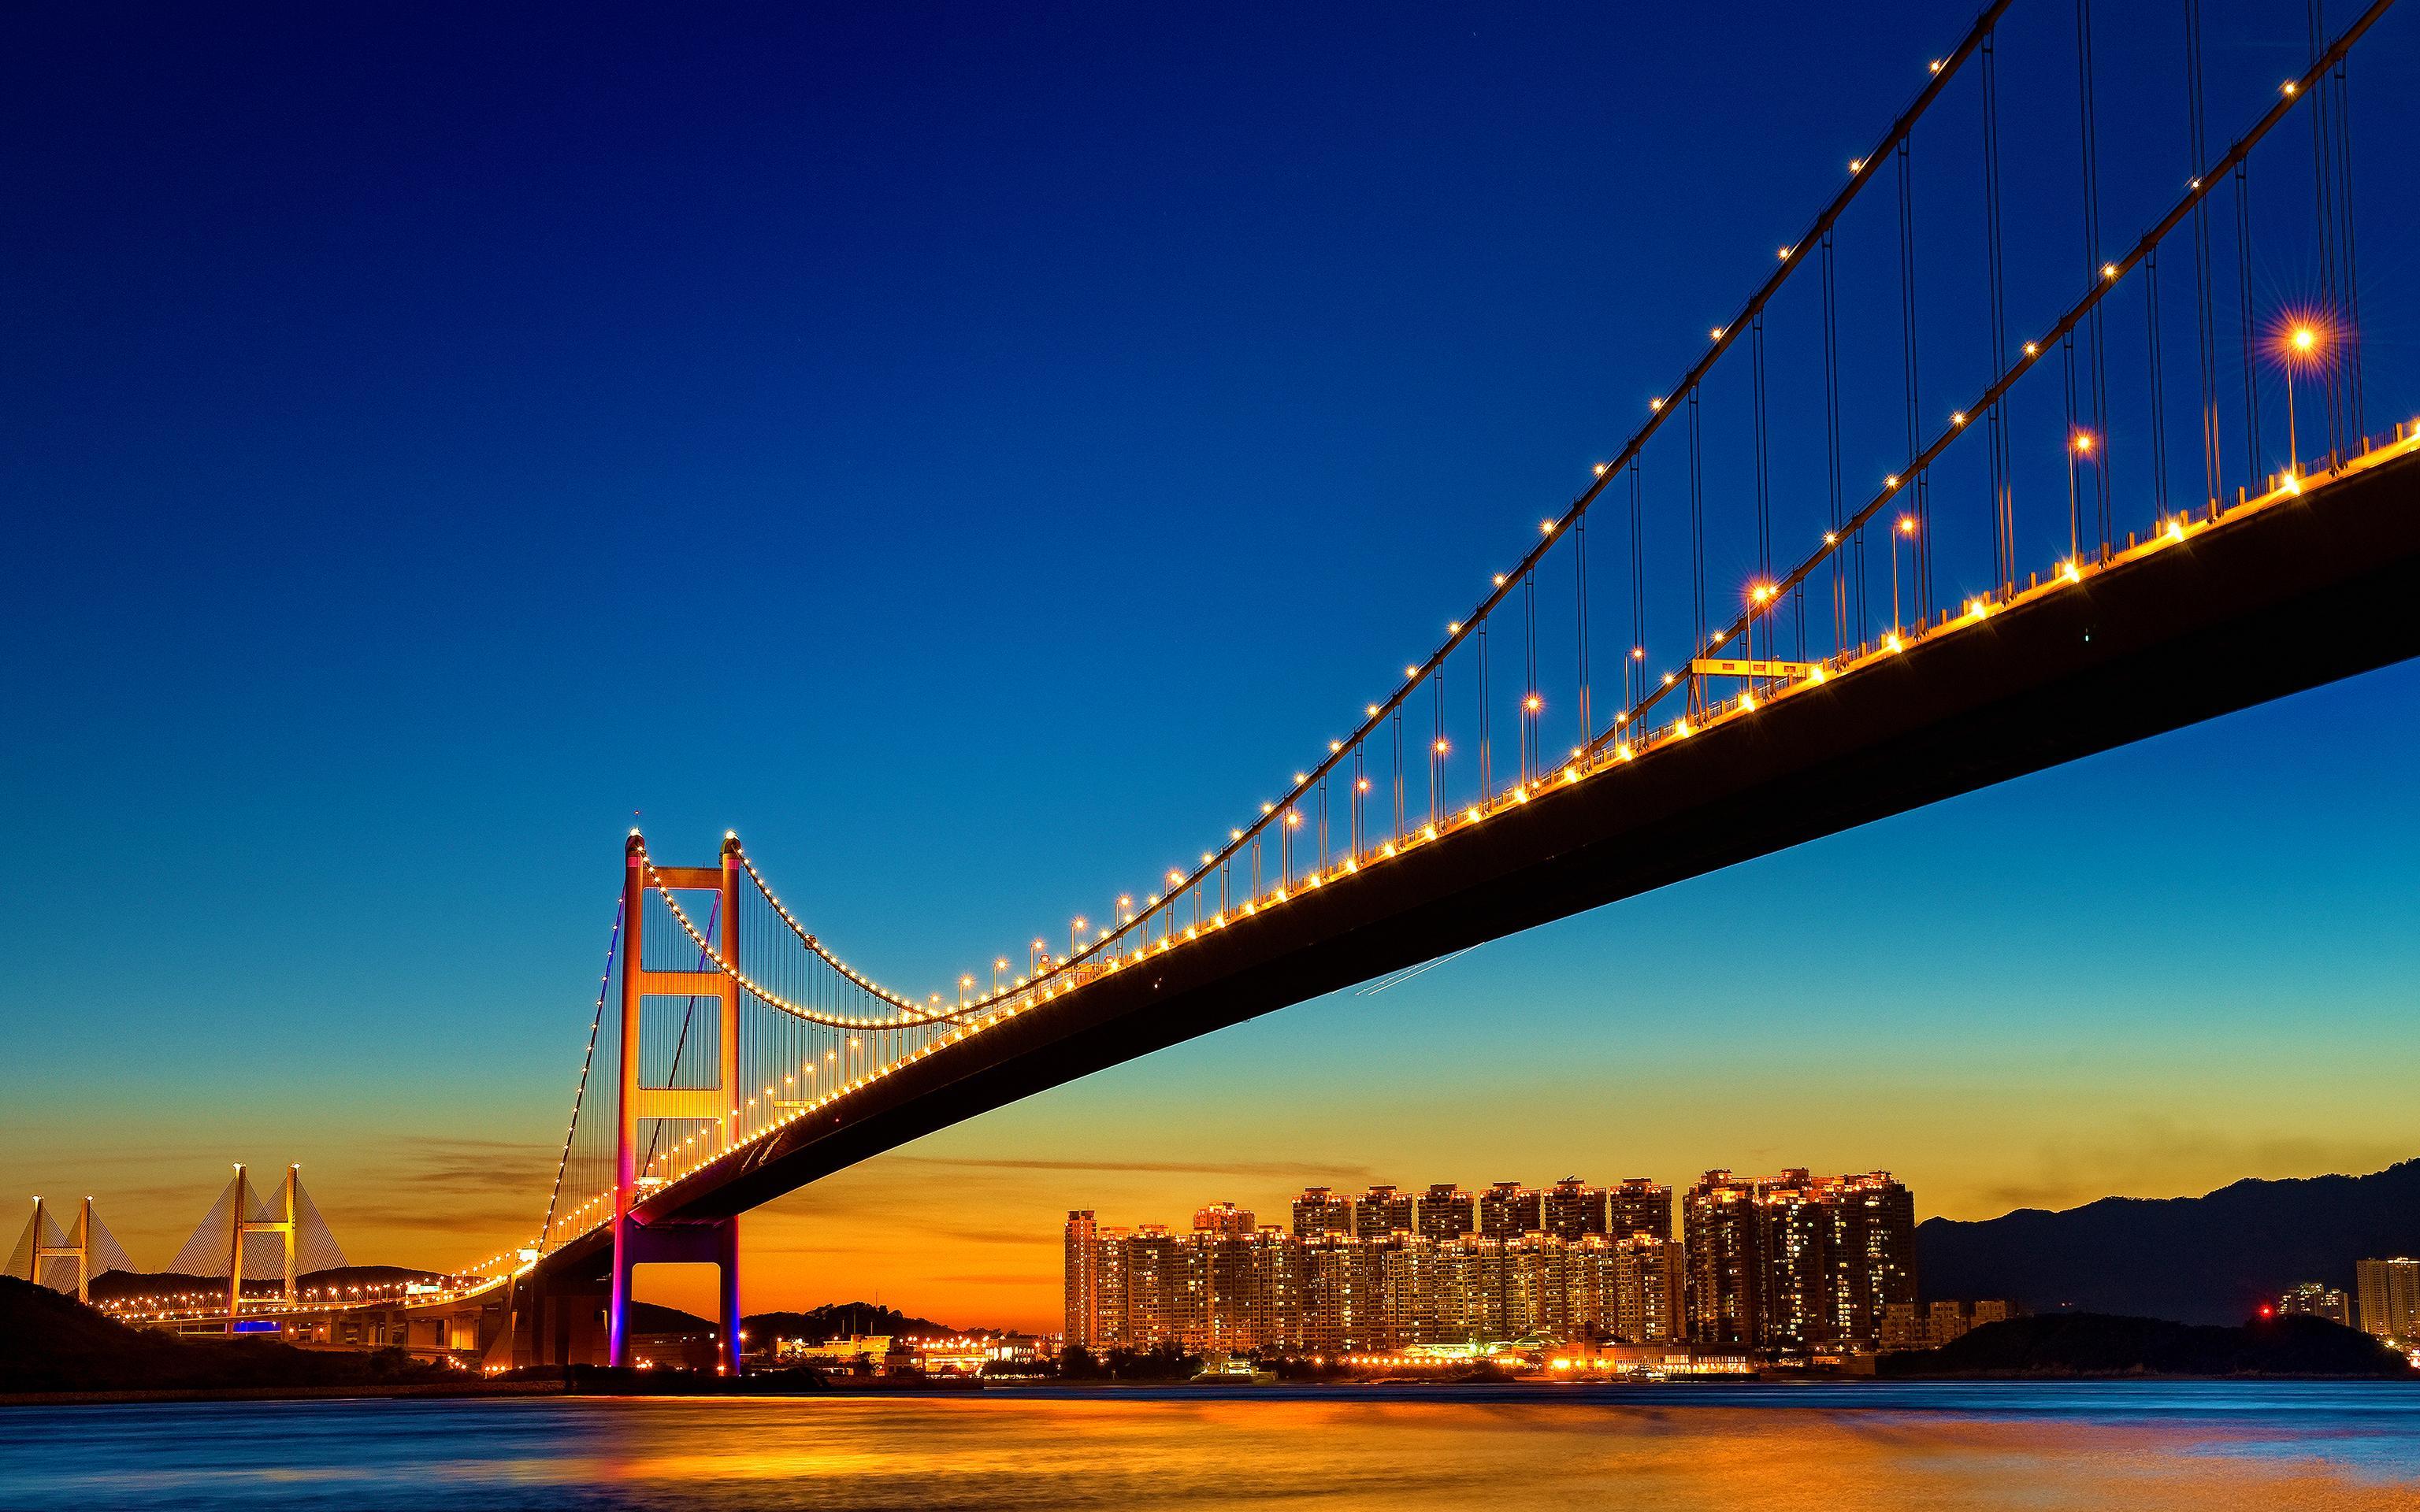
[80, 1251]
[715, 1242]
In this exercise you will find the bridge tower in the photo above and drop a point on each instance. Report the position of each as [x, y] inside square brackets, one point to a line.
[715, 1242]
[240, 1225]
[78, 1250]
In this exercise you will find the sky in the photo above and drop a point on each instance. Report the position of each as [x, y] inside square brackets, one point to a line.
[977, 454]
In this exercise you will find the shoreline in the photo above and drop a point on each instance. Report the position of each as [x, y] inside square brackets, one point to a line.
[1545, 1389]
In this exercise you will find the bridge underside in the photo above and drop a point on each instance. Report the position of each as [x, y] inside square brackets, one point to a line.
[2274, 602]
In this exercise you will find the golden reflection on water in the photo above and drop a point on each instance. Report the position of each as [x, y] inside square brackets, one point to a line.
[2158, 1448]
[1354, 1451]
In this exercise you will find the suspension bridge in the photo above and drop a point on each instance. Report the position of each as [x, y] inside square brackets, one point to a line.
[2158, 498]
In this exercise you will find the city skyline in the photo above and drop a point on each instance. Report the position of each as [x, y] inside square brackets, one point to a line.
[336, 664]
[1789, 1263]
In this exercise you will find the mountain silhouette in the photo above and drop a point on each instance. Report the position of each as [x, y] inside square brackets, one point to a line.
[2206, 1259]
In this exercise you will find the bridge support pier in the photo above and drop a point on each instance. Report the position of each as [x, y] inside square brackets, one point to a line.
[714, 1243]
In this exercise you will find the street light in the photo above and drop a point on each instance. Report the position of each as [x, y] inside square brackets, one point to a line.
[2079, 449]
[2302, 349]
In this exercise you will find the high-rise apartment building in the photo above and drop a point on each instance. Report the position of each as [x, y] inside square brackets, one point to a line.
[1574, 1209]
[1219, 1287]
[2388, 1294]
[1160, 1304]
[1646, 1294]
[1223, 1218]
[1446, 1212]
[1871, 1252]
[1319, 1211]
[1382, 1211]
[1796, 1262]
[1083, 1279]
[1723, 1257]
[1508, 1210]
[1638, 1206]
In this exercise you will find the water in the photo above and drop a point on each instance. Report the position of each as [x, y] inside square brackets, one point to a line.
[2036, 1446]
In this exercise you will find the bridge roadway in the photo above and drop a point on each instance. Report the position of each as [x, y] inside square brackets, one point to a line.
[2259, 604]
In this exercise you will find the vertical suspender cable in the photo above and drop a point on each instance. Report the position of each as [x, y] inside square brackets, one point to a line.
[1483, 731]
[2349, 287]
[1764, 469]
[1921, 551]
[1996, 441]
[2159, 390]
[2252, 449]
[2212, 467]
[1840, 617]
[1529, 659]
[2322, 191]
[2074, 448]
[1437, 742]
[1696, 544]
[1397, 721]
[1579, 528]
[1638, 654]
[1588, 729]
[2092, 267]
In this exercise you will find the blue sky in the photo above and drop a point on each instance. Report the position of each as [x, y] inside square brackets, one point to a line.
[978, 456]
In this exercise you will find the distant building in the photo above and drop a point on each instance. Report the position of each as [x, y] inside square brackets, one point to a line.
[1223, 1218]
[1319, 1211]
[1908, 1325]
[1508, 1210]
[2388, 1292]
[2313, 1300]
[1222, 1289]
[1573, 1210]
[1795, 1262]
[1446, 1212]
[1638, 1206]
[1724, 1275]
[1083, 1278]
[1383, 1211]
[1647, 1304]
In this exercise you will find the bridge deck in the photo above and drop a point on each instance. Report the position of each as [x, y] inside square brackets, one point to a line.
[2269, 602]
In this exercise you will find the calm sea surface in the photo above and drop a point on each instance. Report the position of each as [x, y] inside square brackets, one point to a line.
[1771, 1448]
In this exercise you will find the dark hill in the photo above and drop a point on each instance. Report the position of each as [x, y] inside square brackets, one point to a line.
[2207, 1260]
[50, 1342]
[838, 1320]
[113, 1284]
[652, 1317]
[2090, 1344]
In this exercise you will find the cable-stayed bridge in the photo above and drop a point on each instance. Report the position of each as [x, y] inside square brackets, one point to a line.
[2156, 493]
